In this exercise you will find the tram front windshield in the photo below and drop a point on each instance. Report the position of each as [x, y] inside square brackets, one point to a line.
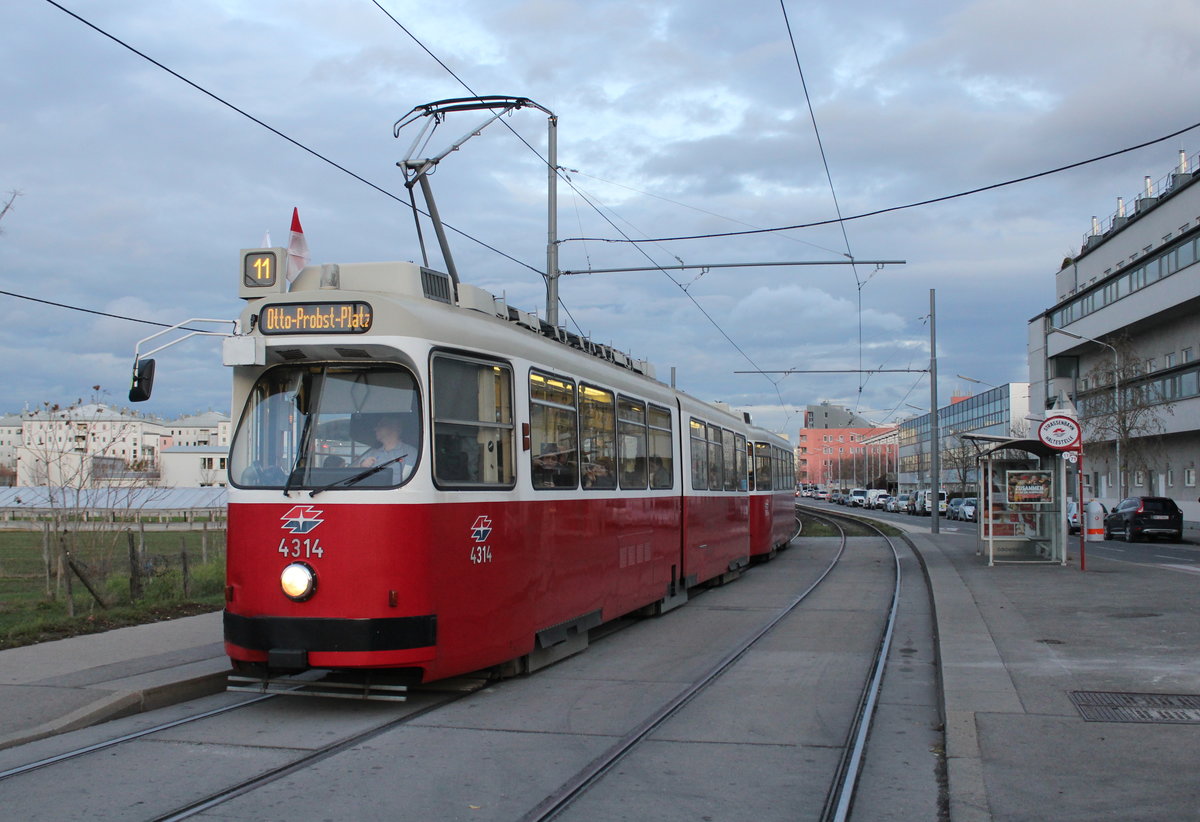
[325, 427]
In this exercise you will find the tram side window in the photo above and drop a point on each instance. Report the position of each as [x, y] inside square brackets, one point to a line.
[552, 431]
[716, 464]
[472, 422]
[661, 450]
[598, 436]
[632, 420]
[728, 451]
[762, 469]
[740, 457]
[699, 443]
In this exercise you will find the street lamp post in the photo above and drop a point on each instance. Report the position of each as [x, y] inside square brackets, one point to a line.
[935, 442]
[1117, 404]
[972, 379]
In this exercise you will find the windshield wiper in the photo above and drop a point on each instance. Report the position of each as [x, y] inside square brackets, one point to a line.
[362, 475]
[301, 459]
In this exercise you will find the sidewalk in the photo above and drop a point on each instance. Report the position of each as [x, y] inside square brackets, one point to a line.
[1017, 640]
[59, 686]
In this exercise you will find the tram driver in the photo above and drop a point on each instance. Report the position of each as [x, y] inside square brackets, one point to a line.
[391, 449]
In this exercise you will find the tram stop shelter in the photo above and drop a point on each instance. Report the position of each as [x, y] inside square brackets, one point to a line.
[1022, 500]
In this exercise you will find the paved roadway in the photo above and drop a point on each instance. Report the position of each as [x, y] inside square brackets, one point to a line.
[1181, 556]
[1170, 556]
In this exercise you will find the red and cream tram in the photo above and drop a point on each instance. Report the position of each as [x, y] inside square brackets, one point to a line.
[423, 478]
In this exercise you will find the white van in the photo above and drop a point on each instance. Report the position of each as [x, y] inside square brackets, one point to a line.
[858, 497]
[925, 499]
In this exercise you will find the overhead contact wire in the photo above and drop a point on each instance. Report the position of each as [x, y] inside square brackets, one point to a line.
[890, 209]
[272, 129]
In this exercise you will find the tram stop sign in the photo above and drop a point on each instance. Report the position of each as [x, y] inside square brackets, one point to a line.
[1061, 433]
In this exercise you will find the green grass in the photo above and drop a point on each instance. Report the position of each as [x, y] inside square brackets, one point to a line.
[34, 610]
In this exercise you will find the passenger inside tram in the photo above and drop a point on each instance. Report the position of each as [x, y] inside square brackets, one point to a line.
[551, 468]
[660, 477]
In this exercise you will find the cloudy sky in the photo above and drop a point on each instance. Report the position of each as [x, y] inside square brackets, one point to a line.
[676, 118]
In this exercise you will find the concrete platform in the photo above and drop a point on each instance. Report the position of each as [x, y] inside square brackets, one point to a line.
[60, 686]
[1014, 643]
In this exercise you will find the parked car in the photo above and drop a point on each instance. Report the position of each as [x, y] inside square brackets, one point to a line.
[953, 507]
[1072, 517]
[1137, 517]
[857, 498]
[881, 502]
[968, 510]
[898, 504]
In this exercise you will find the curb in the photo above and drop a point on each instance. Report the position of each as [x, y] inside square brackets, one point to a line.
[111, 705]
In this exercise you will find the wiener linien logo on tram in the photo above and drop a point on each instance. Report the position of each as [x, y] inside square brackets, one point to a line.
[301, 519]
[481, 529]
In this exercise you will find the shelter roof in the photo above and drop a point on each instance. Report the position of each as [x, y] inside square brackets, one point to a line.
[1001, 443]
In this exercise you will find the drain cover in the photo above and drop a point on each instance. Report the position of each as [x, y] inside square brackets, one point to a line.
[1104, 706]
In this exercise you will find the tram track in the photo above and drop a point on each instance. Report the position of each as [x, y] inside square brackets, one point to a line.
[841, 791]
[559, 801]
[96, 747]
[436, 696]
[300, 763]
[841, 795]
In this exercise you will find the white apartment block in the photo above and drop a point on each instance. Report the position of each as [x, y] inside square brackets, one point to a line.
[1121, 345]
[94, 444]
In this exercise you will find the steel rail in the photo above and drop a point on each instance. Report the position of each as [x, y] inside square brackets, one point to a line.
[100, 746]
[841, 795]
[574, 788]
[310, 758]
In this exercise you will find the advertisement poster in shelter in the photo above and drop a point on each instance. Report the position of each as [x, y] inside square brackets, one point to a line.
[1030, 487]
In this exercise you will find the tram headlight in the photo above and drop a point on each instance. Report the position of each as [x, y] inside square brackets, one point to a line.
[298, 581]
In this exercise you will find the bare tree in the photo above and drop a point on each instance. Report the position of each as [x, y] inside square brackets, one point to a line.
[8, 204]
[960, 459]
[1124, 404]
[79, 456]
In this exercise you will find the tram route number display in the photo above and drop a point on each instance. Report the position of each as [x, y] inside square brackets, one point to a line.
[309, 318]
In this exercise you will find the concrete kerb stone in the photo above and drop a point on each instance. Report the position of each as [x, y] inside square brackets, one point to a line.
[105, 707]
[972, 676]
[201, 679]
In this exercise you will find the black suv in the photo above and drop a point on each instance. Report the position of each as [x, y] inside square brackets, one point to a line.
[1137, 517]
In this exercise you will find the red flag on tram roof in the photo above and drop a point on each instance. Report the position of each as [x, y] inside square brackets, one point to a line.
[297, 247]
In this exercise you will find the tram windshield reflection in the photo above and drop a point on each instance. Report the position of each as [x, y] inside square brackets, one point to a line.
[315, 426]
